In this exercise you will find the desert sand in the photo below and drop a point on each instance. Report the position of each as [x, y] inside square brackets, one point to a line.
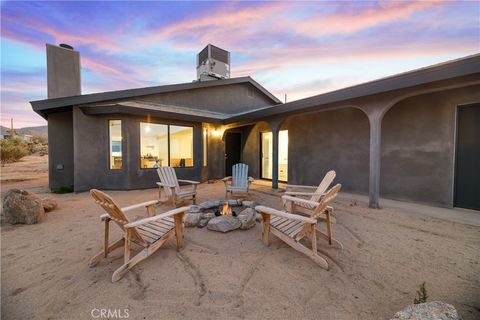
[387, 255]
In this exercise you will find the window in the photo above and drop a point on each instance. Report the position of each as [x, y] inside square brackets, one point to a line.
[153, 145]
[163, 145]
[115, 137]
[181, 146]
[205, 146]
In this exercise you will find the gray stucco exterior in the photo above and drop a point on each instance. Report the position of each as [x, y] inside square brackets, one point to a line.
[391, 138]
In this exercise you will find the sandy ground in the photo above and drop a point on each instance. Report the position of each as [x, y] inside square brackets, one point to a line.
[387, 255]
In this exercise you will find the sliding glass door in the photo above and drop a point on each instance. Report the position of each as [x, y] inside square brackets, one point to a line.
[267, 152]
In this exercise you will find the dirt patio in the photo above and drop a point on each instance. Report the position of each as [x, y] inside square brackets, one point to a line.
[387, 255]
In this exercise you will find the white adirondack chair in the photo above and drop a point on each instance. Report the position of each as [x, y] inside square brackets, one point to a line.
[314, 195]
[292, 228]
[170, 185]
[239, 180]
[148, 233]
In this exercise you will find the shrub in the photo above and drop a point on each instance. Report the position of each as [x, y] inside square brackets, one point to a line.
[422, 295]
[13, 150]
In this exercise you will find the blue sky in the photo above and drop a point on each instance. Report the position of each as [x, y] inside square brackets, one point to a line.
[298, 48]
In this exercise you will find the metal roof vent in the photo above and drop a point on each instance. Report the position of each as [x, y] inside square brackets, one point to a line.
[213, 63]
[66, 46]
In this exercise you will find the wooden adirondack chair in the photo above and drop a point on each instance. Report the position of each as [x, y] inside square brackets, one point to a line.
[169, 183]
[149, 233]
[307, 207]
[239, 180]
[292, 228]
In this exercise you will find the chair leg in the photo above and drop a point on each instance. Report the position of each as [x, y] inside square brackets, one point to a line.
[329, 227]
[126, 255]
[178, 218]
[96, 259]
[266, 228]
[313, 236]
[105, 240]
[129, 264]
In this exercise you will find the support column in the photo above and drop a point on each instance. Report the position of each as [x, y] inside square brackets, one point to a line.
[375, 156]
[275, 131]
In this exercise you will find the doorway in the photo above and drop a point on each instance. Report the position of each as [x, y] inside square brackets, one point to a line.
[233, 151]
[467, 171]
[266, 156]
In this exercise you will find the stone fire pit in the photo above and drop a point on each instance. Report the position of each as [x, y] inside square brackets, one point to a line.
[208, 214]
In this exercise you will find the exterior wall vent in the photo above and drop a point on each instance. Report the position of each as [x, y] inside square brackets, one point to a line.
[213, 63]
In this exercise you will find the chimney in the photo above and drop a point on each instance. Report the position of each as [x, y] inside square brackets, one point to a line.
[63, 71]
[213, 63]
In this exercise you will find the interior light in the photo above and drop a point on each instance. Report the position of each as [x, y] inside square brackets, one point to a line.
[147, 129]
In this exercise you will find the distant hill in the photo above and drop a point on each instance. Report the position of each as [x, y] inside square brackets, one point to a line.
[34, 131]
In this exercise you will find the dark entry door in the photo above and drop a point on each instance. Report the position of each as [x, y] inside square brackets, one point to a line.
[233, 149]
[467, 173]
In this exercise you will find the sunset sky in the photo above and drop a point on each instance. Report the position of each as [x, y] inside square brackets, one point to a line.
[298, 48]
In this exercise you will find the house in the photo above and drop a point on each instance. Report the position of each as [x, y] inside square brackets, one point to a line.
[412, 136]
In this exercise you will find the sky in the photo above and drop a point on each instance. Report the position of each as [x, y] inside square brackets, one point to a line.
[295, 48]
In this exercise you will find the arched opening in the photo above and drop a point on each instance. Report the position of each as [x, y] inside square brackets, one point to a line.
[418, 147]
[336, 139]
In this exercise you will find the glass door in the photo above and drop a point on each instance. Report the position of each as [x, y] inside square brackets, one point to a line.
[267, 152]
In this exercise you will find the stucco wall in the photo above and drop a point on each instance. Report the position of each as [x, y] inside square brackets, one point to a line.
[418, 147]
[225, 99]
[60, 149]
[332, 140]
[91, 141]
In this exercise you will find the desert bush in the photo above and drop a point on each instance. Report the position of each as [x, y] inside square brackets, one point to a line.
[422, 295]
[63, 189]
[12, 150]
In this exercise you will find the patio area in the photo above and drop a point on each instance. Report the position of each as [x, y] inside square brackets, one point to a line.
[386, 256]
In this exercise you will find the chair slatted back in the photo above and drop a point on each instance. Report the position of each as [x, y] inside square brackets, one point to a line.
[329, 196]
[168, 176]
[240, 175]
[323, 186]
[114, 212]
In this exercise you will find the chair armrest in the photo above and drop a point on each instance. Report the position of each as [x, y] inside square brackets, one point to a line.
[143, 204]
[299, 200]
[227, 178]
[283, 214]
[293, 186]
[189, 181]
[250, 179]
[292, 193]
[156, 218]
[165, 185]
[105, 217]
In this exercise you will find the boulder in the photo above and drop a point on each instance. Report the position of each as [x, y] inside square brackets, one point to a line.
[207, 215]
[191, 219]
[224, 223]
[49, 204]
[435, 310]
[247, 218]
[209, 204]
[258, 217]
[20, 206]
[202, 223]
[234, 202]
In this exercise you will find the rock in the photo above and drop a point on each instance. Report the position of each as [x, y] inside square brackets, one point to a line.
[49, 204]
[191, 219]
[195, 209]
[234, 203]
[258, 217]
[435, 310]
[247, 218]
[249, 204]
[207, 215]
[223, 223]
[209, 204]
[20, 206]
[202, 223]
